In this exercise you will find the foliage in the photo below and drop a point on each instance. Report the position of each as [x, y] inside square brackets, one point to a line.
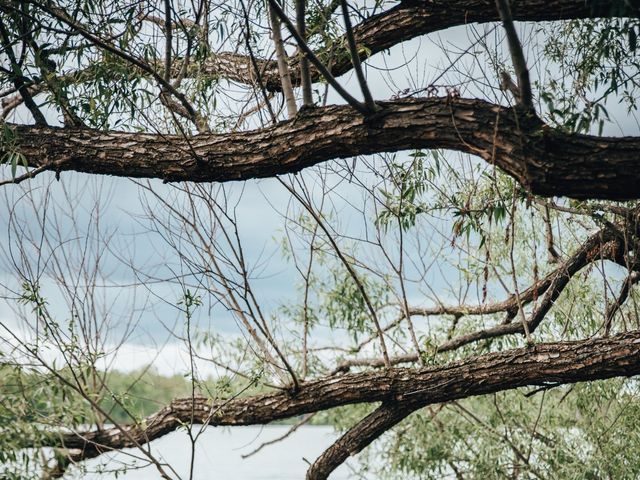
[418, 249]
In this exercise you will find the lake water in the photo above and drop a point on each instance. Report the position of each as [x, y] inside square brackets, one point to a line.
[219, 455]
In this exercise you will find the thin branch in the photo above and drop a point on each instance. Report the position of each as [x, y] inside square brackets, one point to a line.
[305, 75]
[601, 245]
[613, 307]
[168, 32]
[283, 65]
[64, 18]
[525, 97]
[355, 59]
[352, 272]
[316, 61]
[18, 78]
[553, 255]
[27, 176]
[306, 419]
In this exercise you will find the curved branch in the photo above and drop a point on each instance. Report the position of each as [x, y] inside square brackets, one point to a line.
[542, 160]
[359, 436]
[563, 362]
[411, 19]
[403, 22]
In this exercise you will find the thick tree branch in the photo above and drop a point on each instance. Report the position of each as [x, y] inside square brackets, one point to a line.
[544, 161]
[415, 18]
[358, 437]
[558, 363]
[405, 21]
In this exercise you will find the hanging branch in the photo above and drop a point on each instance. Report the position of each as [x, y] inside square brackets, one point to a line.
[524, 97]
[305, 74]
[355, 59]
[316, 61]
[283, 66]
[359, 436]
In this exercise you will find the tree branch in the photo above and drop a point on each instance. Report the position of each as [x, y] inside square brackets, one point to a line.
[359, 436]
[603, 244]
[283, 65]
[305, 73]
[18, 78]
[613, 307]
[525, 96]
[407, 20]
[548, 162]
[355, 58]
[410, 19]
[561, 363]
[315, 60]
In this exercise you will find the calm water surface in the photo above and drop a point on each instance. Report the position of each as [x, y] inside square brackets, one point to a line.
[219, 455]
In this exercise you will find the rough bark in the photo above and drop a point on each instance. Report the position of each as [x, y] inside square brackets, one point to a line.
[357, 438]
[542, 364]
[411, 19]
[407, 20]
[543, 160]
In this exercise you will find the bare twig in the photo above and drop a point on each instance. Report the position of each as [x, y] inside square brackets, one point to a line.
[525, 97]
[256, 68]
[306, 419]
[305, 74]
[614, 306]
[30, 174]
[352, 272]
[316, 61]
[168, 32]
[355, 59]
[553, 256]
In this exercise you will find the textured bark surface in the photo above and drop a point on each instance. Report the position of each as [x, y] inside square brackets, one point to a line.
[544, 161]
[357, 438]
[411, 19]
[543, 364]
